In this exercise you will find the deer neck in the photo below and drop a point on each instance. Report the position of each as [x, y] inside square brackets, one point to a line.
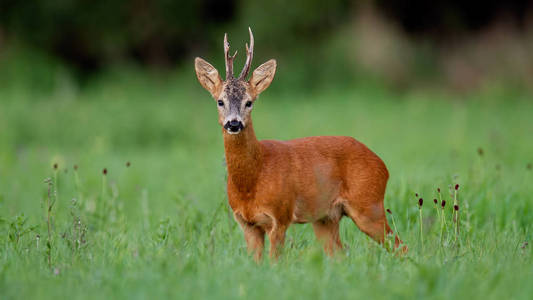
[243, 157]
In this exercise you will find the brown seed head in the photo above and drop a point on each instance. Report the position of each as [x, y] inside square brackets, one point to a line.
[389, 211]
[438, 190]
[55, 166]
[456, 187]
[480, 151]
[104, 171]
[435, 201]
[456, 207]
[128, 164]
[443, 203]
[75, 167]
[416, 195]
[529, 166]
[420, 202]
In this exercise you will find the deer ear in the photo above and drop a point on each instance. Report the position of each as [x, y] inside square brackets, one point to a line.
[263, 76]
[208, 76]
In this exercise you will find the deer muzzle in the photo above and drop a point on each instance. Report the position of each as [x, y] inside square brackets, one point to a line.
[233, 126]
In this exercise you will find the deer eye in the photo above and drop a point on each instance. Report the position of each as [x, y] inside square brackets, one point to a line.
[248, 104]
[220, 103]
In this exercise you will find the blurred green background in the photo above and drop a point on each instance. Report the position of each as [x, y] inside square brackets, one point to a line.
[452, 45]
[441, 91]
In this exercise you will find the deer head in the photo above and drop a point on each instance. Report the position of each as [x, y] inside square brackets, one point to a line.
[235, 96]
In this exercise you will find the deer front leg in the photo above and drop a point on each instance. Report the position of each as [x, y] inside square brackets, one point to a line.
[254, 237]
[255, 241]
[276, 235]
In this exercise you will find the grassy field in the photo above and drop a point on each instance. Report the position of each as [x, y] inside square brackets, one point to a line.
[161, 228]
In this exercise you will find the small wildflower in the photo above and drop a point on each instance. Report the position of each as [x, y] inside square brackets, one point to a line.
[75, 167]
[438, 190]
[104, 171]
[456, 207]
[420, 202]
[389, 211]
[524, 245]
[443, 203]
[480, 151]
[435, 201]
[56, 271]
[456, 187]
[55, 166]
[128, 164]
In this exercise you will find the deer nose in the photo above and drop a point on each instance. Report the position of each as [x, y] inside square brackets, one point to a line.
[233, 125]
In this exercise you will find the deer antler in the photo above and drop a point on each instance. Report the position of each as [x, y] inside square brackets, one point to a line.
[249, 56]
[229, 58]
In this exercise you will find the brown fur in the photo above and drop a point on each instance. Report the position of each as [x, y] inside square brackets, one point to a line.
[273, 184]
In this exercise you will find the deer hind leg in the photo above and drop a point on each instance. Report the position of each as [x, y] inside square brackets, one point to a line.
[366, 210]
[327, 232]
[276, 235]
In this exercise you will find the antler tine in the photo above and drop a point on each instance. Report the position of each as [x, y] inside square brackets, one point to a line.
[228, 58]
[249, 56]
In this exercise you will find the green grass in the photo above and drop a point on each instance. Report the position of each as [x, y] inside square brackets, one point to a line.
[161, 228]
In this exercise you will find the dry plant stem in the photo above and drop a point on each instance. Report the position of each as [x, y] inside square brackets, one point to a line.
[395, 228]
[440, 218]
[441, 215]
[454, 203]
[444, 218]
[49, 205]
[55, 184]
[101, 209]
[442, 224]
[387, 240]
[421, 229]
[439, 203]
[104, 184]
[456, 227]
[455, 214]
[437, 209]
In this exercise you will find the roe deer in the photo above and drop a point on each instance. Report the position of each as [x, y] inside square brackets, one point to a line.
[272, 184]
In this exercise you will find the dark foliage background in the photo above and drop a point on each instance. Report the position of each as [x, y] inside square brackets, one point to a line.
[420, 38]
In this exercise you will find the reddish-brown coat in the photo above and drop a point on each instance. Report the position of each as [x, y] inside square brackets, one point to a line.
[272, 184]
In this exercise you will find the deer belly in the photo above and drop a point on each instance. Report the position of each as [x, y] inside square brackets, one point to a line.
[310, 210]
[317, 189]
